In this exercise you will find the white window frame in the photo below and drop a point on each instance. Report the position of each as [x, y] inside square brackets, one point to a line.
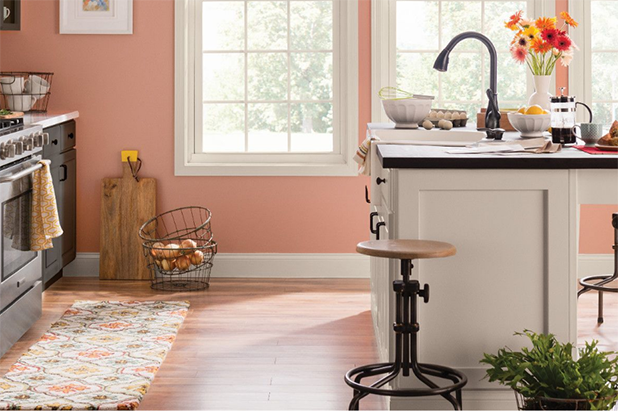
[188, 106]
[580, 70]
[384, 49]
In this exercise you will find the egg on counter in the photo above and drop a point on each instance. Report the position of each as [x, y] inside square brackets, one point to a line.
[446, 125]
[428, 125]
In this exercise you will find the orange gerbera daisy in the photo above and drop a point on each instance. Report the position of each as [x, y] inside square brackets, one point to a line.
[545, 23]
[568, 19]
[539, 46]
[514, 19]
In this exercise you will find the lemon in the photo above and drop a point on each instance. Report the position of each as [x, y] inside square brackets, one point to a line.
[545, 112]
[522, 110]
[536, 109]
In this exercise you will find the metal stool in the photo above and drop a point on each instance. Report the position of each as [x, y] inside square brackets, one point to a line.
[406, 328]
[605, 278]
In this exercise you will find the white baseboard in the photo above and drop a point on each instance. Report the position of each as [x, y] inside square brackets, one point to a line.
[591, 264]
[307, 265]
[498, 399]
[258, 266]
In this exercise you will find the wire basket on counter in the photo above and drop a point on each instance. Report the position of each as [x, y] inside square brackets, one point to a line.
[179, 249]
[25, 91]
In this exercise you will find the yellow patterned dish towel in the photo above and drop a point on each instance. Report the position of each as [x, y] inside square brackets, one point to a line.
[45, 221]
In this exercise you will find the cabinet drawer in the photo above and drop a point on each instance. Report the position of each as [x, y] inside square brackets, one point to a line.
[61, 138]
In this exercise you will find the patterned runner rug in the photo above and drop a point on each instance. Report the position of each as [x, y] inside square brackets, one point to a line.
[99, 355]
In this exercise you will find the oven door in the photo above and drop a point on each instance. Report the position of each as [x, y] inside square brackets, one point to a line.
[20, 267]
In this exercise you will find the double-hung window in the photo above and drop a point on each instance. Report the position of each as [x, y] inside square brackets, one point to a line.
[409, 34]
[266, 87]
[593, 76]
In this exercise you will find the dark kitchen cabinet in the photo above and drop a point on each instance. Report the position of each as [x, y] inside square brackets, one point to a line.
[61, 151]
[10, 14]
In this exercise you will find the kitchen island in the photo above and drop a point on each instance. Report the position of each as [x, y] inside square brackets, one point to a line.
[514, 220]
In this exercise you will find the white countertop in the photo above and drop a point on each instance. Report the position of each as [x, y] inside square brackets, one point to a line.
[50, 118]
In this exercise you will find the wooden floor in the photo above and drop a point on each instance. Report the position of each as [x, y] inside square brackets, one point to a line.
[265, 343]
[246, 343]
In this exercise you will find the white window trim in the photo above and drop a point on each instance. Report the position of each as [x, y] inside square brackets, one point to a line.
[187, 102]
[384, 49]
[580, 70]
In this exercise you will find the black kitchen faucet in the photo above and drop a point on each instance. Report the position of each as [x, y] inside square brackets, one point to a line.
[492, 116]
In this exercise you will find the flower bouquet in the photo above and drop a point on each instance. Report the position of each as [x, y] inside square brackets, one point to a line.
[541, 44]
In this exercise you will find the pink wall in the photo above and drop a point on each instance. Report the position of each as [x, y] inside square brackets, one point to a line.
[123, 88]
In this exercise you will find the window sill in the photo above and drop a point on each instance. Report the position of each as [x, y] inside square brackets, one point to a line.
[280, 170]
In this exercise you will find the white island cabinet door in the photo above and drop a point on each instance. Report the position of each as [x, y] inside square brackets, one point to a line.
[511, 272]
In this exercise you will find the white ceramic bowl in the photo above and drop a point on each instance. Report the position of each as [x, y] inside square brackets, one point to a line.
[530, 125]
[407, 113]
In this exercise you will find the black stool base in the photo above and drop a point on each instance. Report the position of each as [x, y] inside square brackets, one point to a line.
[353, 379]
[406, 328]
[599, 286]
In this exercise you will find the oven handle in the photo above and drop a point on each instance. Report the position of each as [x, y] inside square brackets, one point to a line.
[20, 174]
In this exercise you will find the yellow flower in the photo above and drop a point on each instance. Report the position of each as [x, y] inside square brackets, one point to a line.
[531, 33]
[568, 19]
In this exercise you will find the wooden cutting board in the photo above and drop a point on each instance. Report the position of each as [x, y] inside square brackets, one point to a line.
[125, 205]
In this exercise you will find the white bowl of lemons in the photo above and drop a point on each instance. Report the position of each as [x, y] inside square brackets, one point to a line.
[531, 121]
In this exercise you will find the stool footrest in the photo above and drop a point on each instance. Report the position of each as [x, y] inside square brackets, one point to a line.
[354, 376]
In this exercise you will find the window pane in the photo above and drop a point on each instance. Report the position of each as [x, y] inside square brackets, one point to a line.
[512, 83]
[268, 127]
[311, 76]
[462, 81]
[460, 16]
[497, 12]
[415, 73]
[267, 76]
[605, 113]
[312, 127]
[603, 18]
[223, 25]
[224, 128]
[223, 76]
[267, 25]
[605, 76]
[417, 25]
[311, 25]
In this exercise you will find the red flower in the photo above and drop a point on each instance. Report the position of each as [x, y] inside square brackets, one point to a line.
[562, 43]
[549, 35]
[519, 53]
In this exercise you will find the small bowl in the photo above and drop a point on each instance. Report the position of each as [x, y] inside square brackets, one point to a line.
[530, 125]
[407, 113]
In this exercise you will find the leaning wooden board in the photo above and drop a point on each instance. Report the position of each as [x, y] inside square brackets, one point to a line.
[125, 205]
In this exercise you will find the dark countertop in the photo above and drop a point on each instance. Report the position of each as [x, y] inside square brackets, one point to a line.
[417, 156]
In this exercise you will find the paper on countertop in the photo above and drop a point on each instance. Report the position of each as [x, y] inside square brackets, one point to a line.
[531, 146]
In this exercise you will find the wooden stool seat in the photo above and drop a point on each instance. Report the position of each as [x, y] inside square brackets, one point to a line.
[406, 249]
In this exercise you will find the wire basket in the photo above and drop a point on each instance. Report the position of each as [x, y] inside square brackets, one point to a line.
[25, 91]
[543, 403]
[179, 249]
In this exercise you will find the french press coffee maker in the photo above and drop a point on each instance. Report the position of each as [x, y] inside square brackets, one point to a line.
[563, 110]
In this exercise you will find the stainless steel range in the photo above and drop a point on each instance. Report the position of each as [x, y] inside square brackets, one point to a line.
[20, 268]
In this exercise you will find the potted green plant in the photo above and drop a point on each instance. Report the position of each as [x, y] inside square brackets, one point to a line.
[547, 376]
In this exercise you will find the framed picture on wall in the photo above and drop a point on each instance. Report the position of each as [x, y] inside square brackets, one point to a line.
[96, 16]
[11, 14]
